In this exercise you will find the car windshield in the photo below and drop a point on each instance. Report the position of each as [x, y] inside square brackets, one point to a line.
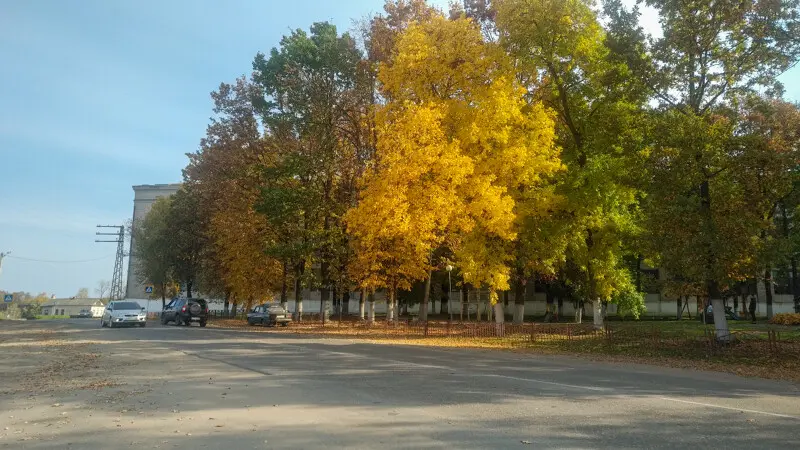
[126, 306]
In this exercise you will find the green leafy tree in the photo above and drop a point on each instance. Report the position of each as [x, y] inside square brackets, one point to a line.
[570, 63]
[317, 90]
[151, 245]
[711, 56]
[187, 243]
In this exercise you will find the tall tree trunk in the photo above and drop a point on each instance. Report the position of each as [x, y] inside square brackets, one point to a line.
[423, 312]
[164, 296]
[795, 285]
[519, 298]
[345, 308]
[361, 301]
[226, 305]
[598, 313]
[489, 307]
[464, 299]
[499, 315]
[324, 303]
[298, 291]
[712, 286]
[560, 304]
[768, 290]
[371, 307]
[324, 293]
[284, 286]
[188, 289]
[234, 305]
[680, 307]
[598, 308]
[579, 312]
[390, 306]
[639, 260]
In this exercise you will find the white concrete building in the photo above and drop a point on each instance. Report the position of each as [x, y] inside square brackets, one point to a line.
[144, 197]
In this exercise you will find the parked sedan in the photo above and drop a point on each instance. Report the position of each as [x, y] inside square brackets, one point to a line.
[122, 313]
[268, 315]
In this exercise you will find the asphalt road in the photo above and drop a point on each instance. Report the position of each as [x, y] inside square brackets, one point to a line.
[212, 388]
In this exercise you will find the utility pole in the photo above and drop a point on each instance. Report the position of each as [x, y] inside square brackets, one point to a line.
[117, 292]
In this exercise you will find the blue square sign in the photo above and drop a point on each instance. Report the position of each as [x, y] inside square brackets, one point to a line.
[8, 298]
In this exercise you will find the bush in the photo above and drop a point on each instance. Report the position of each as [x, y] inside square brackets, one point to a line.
[629, 302]
[31, 311]
[12, 312]
[785, 319]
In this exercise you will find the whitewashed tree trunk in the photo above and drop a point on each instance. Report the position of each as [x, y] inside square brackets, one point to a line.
[299, 310]
[579, 314]
[599, 313]
[519, 313]
[361, 303]
[371, 310]
[499, 318]
[720, 322]
[489, 310]
[390, 308]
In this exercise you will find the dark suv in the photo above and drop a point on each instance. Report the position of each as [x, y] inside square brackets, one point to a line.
[184, 311]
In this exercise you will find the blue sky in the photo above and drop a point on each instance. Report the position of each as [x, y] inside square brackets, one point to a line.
[101, 95]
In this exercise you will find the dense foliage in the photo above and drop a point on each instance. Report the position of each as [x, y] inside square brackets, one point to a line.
[512, 141]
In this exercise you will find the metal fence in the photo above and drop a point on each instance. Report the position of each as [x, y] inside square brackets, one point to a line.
[612, 338]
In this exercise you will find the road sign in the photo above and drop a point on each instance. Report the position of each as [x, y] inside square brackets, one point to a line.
[148, 289]
[8, 298]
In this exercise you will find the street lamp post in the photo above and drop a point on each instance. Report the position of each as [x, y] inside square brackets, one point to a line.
[450, 294]
[3, 255]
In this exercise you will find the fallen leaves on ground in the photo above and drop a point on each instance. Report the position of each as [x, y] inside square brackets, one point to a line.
[748, 359]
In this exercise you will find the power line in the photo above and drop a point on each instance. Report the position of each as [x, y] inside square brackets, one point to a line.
[21, 258]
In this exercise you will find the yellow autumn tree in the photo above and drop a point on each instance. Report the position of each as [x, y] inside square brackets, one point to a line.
[410, 198]
[444, 82]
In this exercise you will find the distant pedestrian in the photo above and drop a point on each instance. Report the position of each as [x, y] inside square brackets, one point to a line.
[753, 308]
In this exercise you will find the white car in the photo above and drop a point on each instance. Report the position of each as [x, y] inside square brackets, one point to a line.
[122, 313]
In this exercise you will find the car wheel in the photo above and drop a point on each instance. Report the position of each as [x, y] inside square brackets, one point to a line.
[285, 324]
[203, 323]
[102, 323]
[264, 322]
[143, 324]
[163, 319]
[177, 321]
[110, 324]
